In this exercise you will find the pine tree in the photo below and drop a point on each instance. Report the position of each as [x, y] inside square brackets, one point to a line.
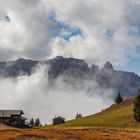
[37, 122]
[137, 107]
[32, 122]
[78, 115]
[119, 98]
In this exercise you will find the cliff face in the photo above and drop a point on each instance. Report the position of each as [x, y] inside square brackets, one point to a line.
[70, 68]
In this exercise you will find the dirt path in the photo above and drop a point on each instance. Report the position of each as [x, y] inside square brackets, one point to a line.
[69, 134]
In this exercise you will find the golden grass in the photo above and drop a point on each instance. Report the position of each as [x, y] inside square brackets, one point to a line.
[69, 134]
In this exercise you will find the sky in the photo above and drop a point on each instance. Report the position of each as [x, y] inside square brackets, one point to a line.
[94, 30]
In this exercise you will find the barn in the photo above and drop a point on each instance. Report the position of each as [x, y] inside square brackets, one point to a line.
[12, 118]
[58, 120]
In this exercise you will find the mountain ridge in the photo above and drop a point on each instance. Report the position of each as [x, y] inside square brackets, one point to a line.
[107, 77]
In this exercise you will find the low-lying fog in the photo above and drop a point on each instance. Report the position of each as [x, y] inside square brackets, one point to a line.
[39, 99]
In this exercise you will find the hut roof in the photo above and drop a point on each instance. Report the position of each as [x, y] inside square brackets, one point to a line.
[59, 117]
[8, 113]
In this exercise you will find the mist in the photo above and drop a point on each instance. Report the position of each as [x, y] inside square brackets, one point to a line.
[40, 98]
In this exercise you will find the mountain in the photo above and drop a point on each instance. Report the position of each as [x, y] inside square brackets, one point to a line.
[75, 71]
[17, 68]
[117, 115]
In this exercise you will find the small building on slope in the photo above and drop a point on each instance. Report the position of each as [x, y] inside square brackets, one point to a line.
[58, 120]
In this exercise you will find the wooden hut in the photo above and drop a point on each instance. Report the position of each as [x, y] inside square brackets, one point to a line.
[58, 120]
[12, 118]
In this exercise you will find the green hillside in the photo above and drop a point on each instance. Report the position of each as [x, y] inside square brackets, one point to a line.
[120, 115]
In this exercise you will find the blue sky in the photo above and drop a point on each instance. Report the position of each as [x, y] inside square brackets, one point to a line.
[132, 66]
[63, 29]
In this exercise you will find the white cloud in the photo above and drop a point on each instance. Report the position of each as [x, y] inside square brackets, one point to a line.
[29, 31]
[37, 98]
[31, 34]
[94, 18]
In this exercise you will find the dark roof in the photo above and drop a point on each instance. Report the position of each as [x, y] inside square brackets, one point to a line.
[8, 113]
[59, 117]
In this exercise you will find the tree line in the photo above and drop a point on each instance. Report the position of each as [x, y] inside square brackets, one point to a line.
[33, 123]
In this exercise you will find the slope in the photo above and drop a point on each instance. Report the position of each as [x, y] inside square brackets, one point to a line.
[120, 115]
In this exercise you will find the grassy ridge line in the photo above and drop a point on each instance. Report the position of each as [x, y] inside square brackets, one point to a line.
[120, 116]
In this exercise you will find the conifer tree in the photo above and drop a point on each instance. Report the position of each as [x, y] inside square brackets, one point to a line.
[32, 122]
[78, 115]
[37, 122]
[119, 98]
[137, 107]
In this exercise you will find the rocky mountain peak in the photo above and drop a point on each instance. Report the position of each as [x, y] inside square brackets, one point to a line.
[108, 66]
[59, 57]
[95, 68]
